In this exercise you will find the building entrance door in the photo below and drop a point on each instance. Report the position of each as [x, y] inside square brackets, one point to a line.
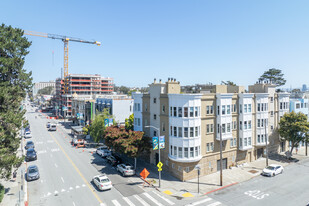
[224, 164]
[259, 152]
[282, 144]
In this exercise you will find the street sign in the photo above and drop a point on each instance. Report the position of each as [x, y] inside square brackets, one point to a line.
[160, 169]
[155, 144]
[160, 164]
[144, 174]
[111, 122]
[162, 142]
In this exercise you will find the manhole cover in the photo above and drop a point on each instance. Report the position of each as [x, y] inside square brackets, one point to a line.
[253, 171]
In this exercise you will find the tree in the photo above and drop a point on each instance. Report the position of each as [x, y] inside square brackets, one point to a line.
[15, 82]
[128, 142]
[274, 76]
[129, 122]
[293, 128]
[229, 83]
[46, 90]
[98, 125]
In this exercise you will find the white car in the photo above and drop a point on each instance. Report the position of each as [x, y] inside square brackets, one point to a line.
[102, 182]
[103, 151]
[272, 170]
[126, 169]
[28, 135]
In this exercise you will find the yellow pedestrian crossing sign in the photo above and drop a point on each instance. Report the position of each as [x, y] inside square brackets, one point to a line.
[160, 169]
[160, 164]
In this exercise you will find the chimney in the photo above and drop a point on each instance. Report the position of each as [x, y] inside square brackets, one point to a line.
[154, 81]
[172, 79]
[160, 80]
[169, 79]
[175, 80]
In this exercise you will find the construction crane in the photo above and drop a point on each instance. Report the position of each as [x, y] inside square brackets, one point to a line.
[65, 40]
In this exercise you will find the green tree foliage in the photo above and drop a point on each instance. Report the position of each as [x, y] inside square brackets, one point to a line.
[229, 83]
[97, 126]
[275, 76]
[124, 141]
[293, 128]
[15, 82]
[46, 90]
[129, 122]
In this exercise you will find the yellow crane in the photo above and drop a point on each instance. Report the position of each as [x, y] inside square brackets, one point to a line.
[65, 40]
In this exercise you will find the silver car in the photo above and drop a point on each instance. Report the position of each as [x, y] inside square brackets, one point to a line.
[27, 135]
[32, 173]
[272, 170]
[126, 169]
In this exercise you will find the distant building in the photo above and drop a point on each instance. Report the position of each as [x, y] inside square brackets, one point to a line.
[41, 85]
[304, 88]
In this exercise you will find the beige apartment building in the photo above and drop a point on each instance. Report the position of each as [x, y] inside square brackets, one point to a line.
[190, 123]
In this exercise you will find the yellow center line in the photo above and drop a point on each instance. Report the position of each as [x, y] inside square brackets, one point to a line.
[80, 174]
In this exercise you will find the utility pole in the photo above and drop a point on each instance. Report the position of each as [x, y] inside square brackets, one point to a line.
[265, 125]
[221, 182]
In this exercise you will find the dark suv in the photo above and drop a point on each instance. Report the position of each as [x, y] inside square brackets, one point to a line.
[113, 160]
[31, 155]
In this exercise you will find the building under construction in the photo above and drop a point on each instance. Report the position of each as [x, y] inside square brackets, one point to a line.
[79, 84]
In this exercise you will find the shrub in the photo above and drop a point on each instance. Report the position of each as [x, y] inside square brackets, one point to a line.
[1, 192]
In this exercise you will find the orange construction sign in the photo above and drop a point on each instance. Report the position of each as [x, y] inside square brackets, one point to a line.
[144, 173]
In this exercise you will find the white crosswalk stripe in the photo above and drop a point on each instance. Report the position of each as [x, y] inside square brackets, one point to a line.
[128, 201]
[167, 200]
[141, 200]
[152, 199]
[116, 203]
[199, 202]
[215, 204]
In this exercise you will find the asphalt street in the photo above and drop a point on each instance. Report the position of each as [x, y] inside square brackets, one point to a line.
[66, 174]
[289, 188]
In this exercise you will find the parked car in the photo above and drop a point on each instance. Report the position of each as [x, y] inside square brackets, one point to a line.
[48, 125]
[31, 155]
[102, 182]
[32, 173]
[28, 135]
[113, 160]
[126, 169]
[29, 145]
[103, 151]
[53, 127]
[272, 170]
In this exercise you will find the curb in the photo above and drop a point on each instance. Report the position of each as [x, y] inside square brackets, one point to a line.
[221, 188]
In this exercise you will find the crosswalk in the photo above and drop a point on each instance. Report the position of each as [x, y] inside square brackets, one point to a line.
[154, 198]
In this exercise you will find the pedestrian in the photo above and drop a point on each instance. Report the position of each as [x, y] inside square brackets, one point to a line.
[296, 150]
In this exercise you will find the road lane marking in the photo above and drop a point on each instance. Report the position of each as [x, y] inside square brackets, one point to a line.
[200, 202]
[63, 190]
[62, 179]
[56, 165]
[71, 188]
[153, 199]
[56, 192]
[42, 151]
[77, 187]
[77, 170]
[116, 203]
[141, 200]
[74, 203]
[215, 204]
[83, 185]
[55, 150]
[167, 200]
[128, 201]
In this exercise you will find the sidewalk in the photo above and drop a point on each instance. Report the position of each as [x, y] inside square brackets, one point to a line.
[14, 188]
[210, 183]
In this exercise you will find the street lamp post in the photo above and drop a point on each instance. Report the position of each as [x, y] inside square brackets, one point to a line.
[221, 182]
[265, 125]
[158, 149]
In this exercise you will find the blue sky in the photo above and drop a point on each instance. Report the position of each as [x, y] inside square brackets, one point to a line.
[194, 41]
